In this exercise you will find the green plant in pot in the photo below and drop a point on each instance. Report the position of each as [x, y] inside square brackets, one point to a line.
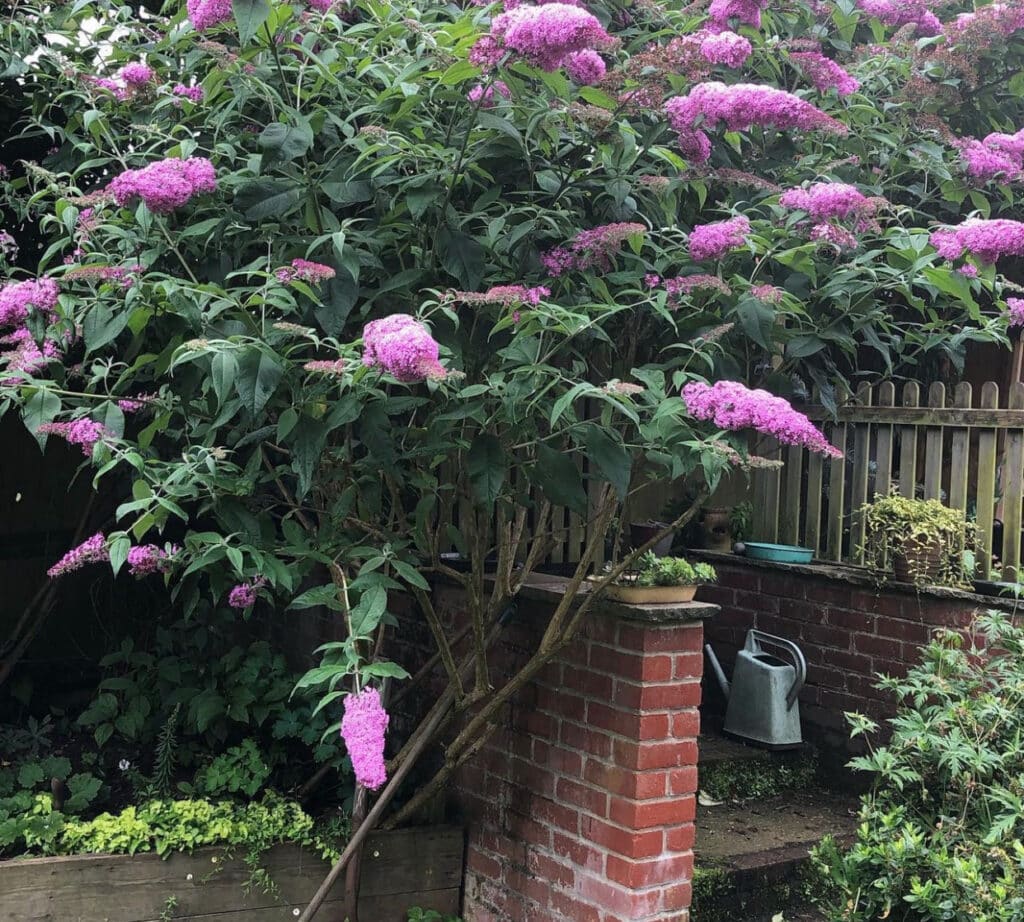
[922, 541]
[661, 579]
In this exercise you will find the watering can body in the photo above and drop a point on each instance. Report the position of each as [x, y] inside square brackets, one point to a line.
[763, 706]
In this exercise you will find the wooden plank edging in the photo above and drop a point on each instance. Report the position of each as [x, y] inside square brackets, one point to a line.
[421, 866]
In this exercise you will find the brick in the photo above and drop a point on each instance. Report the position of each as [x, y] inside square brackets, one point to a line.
[688, 665]
[757, 601]
[586, 798]
[825, 636]
[588, 683]
[662, 697]
[571, 909]
[681, 839]
[636, 666]
[639, 874]
[678, 898]
[874, 645]
[686, 724]
[529, 829]
[683, 780]
[621, 722]
[645, 814]
[537, 891]
[632, 843]
[484, 865]
[685, 638]
[562, 705]
[643, 756]
[580, 852]
[617, 899]
[562, 761]
[911, 631]
[558, 815]
[616, 779]
[584, 739]
[851, 620]
[548, 869]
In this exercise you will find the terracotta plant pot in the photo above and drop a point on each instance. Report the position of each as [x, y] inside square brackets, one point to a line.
[918, 563]
[651, 595]
[716, 529]
[642, 532]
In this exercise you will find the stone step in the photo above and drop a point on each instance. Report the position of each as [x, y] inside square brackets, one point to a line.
[752, 856]
[732, 770]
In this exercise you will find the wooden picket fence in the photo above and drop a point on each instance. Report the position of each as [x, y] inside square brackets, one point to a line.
[969, 456]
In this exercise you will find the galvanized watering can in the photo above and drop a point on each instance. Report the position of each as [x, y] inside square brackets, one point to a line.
[763, 705]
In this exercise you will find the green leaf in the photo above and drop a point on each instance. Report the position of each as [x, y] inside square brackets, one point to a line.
[348, 193]
[119, 548]
[410, 574]
[366, 615]
[280, 142]
[258, 376]
[609, 457]
[461, 256]
[557, 475]
[42, 407]
[249, 16]
[223, 372]
[267, 198]
[102, 326]
[384, 671]
[306, 447]
[340, 296]
[487, 466]
[326, 595]
[800, 347]
[757, 319]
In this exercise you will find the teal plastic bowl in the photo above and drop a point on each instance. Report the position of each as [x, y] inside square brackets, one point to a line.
[779, 553]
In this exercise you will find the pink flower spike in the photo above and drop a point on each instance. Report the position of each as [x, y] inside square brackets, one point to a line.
[92, 550]
[244, 594]
[85, 433]
[731, 405]
[713, 241]
[548, 34]
[363, 728]
[165, 184]
[403, 347]
[1015, 308]
[205, 14]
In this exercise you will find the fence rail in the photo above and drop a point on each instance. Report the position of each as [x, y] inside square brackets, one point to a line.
[963, 448]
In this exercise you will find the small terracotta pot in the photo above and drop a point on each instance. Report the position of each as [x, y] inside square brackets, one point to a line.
[921, 563]
[717, 529]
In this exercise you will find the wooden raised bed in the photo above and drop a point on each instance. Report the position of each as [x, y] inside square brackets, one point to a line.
[408, 867]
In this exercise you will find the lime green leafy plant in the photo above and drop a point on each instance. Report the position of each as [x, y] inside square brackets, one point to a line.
[934, 539]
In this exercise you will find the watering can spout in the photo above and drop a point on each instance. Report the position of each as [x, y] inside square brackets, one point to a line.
[716, 667]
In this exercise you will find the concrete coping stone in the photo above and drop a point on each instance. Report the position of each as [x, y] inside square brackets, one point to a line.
[861, 578]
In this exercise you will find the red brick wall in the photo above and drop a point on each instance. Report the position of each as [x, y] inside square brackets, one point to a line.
[581, 807]
[849, 632]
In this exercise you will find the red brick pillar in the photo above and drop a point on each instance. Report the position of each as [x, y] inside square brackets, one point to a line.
[583, 810]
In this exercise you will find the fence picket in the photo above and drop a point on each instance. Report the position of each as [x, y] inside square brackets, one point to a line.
[859, 486]
[836, 483]
[985, 501]
[933, 445]
[960, 452]
[908, 443]
[766, 510]
[884, 442]
[1013, 489]
[789, 507]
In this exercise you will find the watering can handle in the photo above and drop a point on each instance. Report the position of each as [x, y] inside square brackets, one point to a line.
[799, 663]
